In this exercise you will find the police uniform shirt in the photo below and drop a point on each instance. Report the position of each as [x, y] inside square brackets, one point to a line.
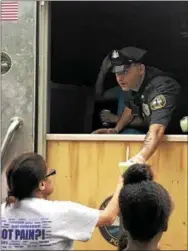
[156, 99]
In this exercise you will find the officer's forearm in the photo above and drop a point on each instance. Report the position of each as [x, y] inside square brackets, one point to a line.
[114, 118]
[124, 120]
[152, 140]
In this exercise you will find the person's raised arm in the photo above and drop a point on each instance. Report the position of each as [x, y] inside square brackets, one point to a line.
[77, 222]
[109, 214]
[162, 107]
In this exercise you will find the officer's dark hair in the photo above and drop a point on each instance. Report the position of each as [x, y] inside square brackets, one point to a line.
[144, 204]
[23, 176]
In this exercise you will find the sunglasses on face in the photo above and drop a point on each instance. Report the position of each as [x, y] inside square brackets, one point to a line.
[52, 172]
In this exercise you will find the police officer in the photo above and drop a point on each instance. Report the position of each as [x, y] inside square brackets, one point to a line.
[151, 96]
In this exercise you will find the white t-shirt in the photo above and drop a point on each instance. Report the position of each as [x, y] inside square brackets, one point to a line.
[38, 224]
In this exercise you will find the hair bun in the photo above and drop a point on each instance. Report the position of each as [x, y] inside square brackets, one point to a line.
[137, 173]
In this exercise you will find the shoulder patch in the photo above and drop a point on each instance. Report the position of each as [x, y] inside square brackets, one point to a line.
[158, 102]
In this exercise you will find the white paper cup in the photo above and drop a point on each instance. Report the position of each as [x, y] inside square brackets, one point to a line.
[125, 165]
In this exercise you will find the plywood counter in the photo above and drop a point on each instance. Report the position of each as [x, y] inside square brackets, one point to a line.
[87, 172]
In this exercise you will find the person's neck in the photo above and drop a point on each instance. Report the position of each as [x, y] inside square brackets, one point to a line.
[134, 245]
[38, 195]
[136, 89]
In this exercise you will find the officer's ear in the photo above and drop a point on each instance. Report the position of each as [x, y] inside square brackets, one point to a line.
[142, 69]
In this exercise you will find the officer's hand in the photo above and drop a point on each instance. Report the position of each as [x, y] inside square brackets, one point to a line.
[101, 131]
[105, 116]
[138, 159]
[105, 131]
[112, 131]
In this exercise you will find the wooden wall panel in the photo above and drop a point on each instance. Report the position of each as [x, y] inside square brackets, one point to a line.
[87, 173]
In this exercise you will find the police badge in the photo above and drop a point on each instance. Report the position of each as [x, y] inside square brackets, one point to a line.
[146, 109]
[115, 54]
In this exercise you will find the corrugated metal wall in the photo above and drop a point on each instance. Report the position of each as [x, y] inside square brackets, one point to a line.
[18, 84]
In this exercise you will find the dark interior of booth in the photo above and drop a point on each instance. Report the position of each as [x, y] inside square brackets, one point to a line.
[83, 33]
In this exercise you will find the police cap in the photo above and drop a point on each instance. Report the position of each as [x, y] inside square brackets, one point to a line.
[122, 59]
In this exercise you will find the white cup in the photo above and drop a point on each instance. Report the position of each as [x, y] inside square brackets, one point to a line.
[125, 165]
[184, 124]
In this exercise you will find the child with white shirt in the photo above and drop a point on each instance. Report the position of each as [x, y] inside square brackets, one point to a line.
[30, 222]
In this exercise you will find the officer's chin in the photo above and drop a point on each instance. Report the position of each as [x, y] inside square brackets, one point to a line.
[125, 89]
